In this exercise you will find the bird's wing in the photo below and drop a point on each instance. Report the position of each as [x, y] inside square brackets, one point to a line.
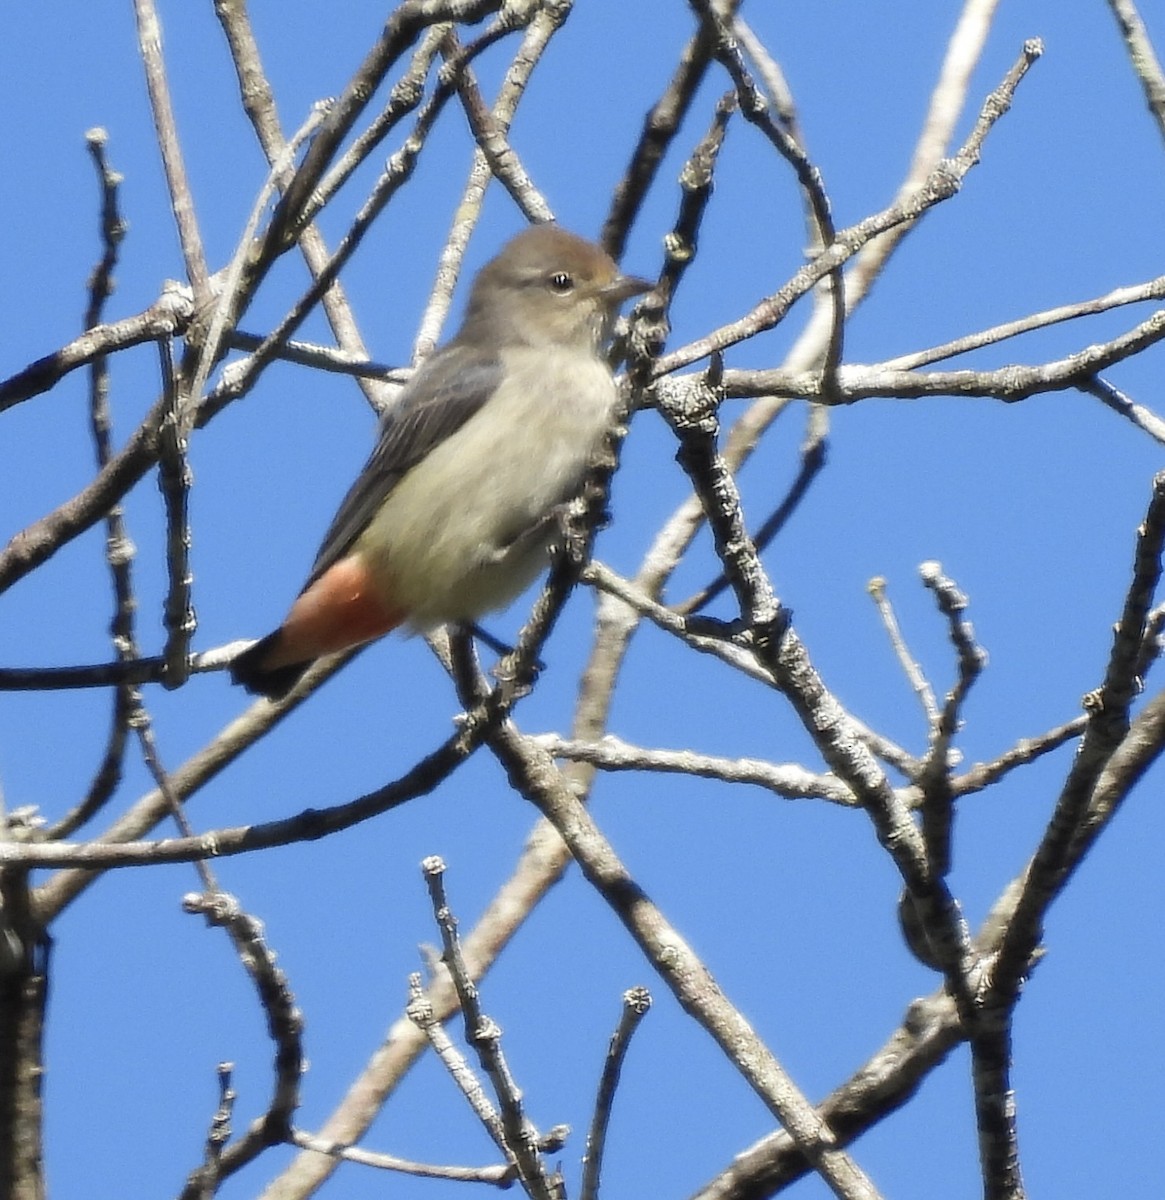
[444, 393]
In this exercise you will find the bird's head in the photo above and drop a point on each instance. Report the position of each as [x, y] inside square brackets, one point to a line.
[548, 287]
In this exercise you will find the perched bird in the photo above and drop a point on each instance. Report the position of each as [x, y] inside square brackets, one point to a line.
[454, 512]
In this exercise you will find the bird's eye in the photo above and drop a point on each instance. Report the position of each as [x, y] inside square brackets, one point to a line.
[561, 283]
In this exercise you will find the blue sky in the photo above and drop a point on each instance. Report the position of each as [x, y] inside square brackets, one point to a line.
[1031, 507]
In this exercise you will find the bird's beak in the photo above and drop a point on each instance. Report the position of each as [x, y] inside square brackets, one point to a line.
[623, 287]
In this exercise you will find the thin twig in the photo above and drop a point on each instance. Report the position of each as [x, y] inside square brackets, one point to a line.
[1143, 57]
[491, 133]
[982, 775]
[143, 727]
[934, 778]
[405, 25]
[404, 97]
[519, 1136]
[813, 457]
[39, 541]
[944, 112]
[754, 107]
[259, 104]
[181, 199]
[650, 323]
[545, 23]
[533, 773]
[1108, 724]
[325, 358]
[941, 184]
[168, 316]
[309, 825]
[219, 1133]
[660, 127]
[1011, 384]
[737, 653]
[1143, 418]
[636, 1004]
[1117, 298]
[239, 377]
[284, 1020]
[421, 1012]
[497, 1173]
[232, 283]
[780, 94]
[284, 1026]
[119, 548]
[135, 670]
[787, 780]
[174, 481]
[919, 684]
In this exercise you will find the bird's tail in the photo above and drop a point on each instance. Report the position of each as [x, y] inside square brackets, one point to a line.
[339, 610]
[250, 669]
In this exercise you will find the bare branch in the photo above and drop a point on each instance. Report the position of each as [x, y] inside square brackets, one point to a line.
[24, 991]
[181, 198]
[403, 27]
[787, 780]
[119, 548]
[910, 668]
[1025, 751]
[659, 129]
[40, 540]
[491, 134]
[241, 376]
[519, 1138]
[781, 651]
[309, 825]
[533, 773]
[127, 670]
[167, 317]
[422, 1014]
[284, 1025]
[813, 455]
[1107, 727]
[934, 778]
[1143, 57]
[708, 638]
[499, 1173]
[259, 104]
[755, 109]
[1143, 418]
[927, 1035]
[941, 184]
[995, 1109]
[174, 480]
[325, 358]
[962, 55]
[636, 1004]
[1009, 384]
[1118, 297]
[405, 97]
[541, 865]
[220, 1130]
[964, 51]
[545, 23]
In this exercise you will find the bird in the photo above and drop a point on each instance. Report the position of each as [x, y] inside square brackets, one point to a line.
[458, 506]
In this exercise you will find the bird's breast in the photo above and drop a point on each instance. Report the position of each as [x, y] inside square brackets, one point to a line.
[447, 544]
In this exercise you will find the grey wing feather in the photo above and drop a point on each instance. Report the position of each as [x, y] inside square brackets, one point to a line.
[444, 393]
